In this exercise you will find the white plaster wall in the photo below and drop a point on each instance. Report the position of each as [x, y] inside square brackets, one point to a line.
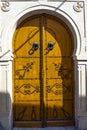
[77, 22]
[17, 8]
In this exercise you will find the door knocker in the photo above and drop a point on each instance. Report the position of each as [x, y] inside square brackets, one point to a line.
[49, 47]
[34, 48]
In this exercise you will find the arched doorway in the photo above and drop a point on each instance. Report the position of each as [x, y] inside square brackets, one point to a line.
[43, 73]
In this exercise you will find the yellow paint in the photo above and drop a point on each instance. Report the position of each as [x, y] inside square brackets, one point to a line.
[43, 79]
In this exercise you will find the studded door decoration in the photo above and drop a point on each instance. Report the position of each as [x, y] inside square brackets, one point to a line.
[43, 73]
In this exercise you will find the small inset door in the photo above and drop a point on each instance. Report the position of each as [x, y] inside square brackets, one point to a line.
[43, 73]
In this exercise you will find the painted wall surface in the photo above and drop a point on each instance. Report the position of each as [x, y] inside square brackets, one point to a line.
[74, 14]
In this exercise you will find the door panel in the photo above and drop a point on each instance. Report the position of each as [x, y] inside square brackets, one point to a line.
[43, 73]
[26, 74]
[59, 72]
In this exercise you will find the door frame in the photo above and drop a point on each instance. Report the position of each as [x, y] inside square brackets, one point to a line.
[9, 55]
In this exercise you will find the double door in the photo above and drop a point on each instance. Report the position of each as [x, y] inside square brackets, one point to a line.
[43, 73]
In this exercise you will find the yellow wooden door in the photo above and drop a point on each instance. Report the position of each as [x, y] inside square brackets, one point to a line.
[43, 73]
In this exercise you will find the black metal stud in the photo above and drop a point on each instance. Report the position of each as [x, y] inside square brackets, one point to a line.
[50, 45]
[35, 45]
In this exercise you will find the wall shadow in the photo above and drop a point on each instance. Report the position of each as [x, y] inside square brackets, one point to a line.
[5, 110]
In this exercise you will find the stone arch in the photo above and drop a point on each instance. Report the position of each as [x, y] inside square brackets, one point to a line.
[38, 10]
